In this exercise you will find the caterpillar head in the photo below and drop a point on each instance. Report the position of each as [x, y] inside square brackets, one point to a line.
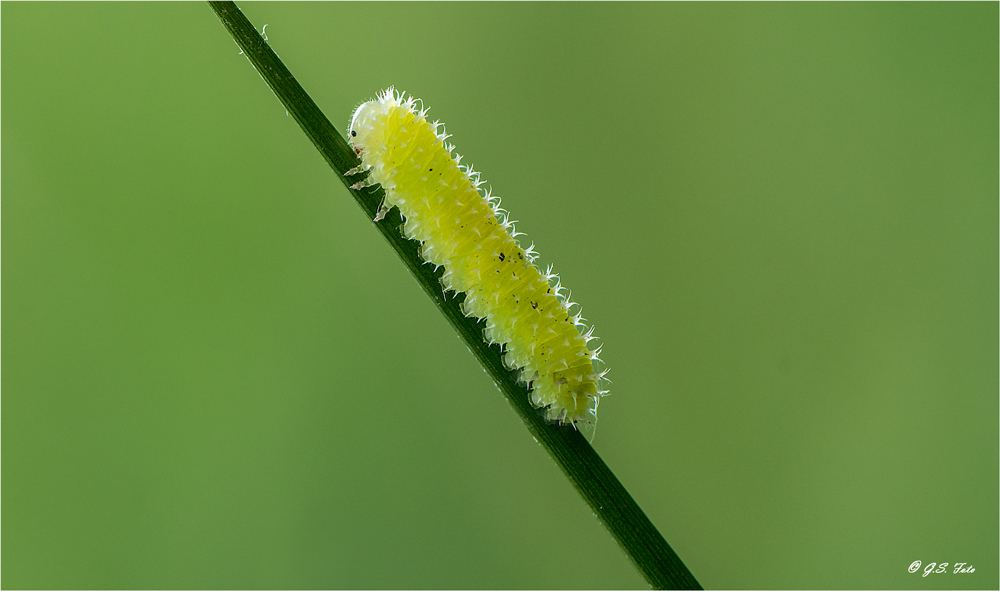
[362, 125]
[365, 121]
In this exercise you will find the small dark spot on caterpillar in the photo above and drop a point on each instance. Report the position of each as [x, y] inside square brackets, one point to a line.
[520, 254]
[501, 256]
[354, 133]
[534, 305]
[357, 149]
[429, 169]
[548, 291]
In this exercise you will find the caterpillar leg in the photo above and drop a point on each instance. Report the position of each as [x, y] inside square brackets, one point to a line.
[382, 210]
[362, 184]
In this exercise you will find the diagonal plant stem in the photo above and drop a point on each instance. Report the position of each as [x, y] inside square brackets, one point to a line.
[609, 500]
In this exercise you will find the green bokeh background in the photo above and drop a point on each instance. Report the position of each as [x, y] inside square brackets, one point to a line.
[782, 219]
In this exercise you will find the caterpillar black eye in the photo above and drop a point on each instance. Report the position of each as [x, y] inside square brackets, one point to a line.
[354, 133]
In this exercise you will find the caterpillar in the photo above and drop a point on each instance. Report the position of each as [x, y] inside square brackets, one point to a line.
[462, 228]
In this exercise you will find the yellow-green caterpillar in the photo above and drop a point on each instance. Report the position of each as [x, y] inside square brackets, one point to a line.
[464, 230]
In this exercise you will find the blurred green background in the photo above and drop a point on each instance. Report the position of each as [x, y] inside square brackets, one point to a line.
[782, 219]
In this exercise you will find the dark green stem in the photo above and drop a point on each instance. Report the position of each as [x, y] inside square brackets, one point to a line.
[609, 500]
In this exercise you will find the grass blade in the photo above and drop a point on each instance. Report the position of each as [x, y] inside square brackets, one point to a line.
[605, 495]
